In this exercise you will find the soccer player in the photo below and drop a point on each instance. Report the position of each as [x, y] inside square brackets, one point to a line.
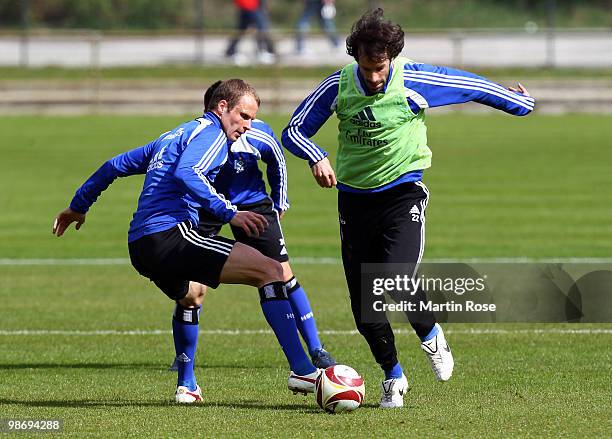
[163, 240]
[241, 182]
[380, 100]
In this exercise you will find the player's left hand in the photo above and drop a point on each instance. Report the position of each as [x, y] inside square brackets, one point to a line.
[65, 218]
[522, 90]
[252, 223]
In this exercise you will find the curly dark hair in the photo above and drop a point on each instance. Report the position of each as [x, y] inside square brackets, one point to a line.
[375, 37]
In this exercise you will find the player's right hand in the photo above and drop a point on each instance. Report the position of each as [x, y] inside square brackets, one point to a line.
[65, 218]
[252, 223]
[323, 173]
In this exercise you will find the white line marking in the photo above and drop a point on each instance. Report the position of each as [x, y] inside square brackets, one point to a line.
[521, 260]
[239, 332]
[306, 260]
[311, 261]
[53, 261]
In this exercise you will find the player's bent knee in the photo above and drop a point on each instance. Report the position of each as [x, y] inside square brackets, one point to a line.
[248, 266]
[266, 271]
[195, 295]
[273, 271]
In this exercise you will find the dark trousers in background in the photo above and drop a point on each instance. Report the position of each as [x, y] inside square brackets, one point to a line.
[257, 19]
[312, 9]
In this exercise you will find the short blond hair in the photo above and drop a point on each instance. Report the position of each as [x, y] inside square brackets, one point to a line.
[231, 91]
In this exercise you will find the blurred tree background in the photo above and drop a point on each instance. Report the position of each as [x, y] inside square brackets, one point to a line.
[219, 15]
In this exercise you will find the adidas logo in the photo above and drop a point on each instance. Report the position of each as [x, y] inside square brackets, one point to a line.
[365, 118]
[366, 114]
[281, 242]
[415, 213]
[183, 358]
[157, 161]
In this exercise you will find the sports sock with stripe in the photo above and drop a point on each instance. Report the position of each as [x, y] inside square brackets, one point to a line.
[304, 318]
[279, 315]
[431, 334]
[185, 329]
[395, 372]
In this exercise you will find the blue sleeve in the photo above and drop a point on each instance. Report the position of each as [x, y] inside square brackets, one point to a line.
[129, 163]
[276, 168]
[435, 86]
[197, 168]
[308, 118]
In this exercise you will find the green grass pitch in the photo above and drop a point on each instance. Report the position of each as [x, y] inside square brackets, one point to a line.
[537, 187]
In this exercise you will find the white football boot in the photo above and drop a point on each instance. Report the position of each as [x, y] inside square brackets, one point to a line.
[185, 396]
[393, 392]
[439, 355]
[303, 383]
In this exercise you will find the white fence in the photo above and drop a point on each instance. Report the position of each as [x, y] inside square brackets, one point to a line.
[483, 48]
[278, 95]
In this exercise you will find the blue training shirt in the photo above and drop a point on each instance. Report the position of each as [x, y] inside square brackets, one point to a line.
[426, 86]
[180, 166]
[240, 179]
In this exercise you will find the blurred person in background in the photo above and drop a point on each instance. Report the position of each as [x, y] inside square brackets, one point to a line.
[252, 13]
[325, 10]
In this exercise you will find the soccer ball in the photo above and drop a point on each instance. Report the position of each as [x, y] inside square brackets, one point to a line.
[339, 389]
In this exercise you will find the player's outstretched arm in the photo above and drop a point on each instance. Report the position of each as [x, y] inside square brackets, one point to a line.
[323, 173]
[252, 223]
[431, 86]
[65, 218]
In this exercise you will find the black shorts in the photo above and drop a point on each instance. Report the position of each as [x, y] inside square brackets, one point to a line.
[270, 243]
[178, 255]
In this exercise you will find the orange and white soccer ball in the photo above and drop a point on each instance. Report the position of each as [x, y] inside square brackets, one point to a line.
[339, 389]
